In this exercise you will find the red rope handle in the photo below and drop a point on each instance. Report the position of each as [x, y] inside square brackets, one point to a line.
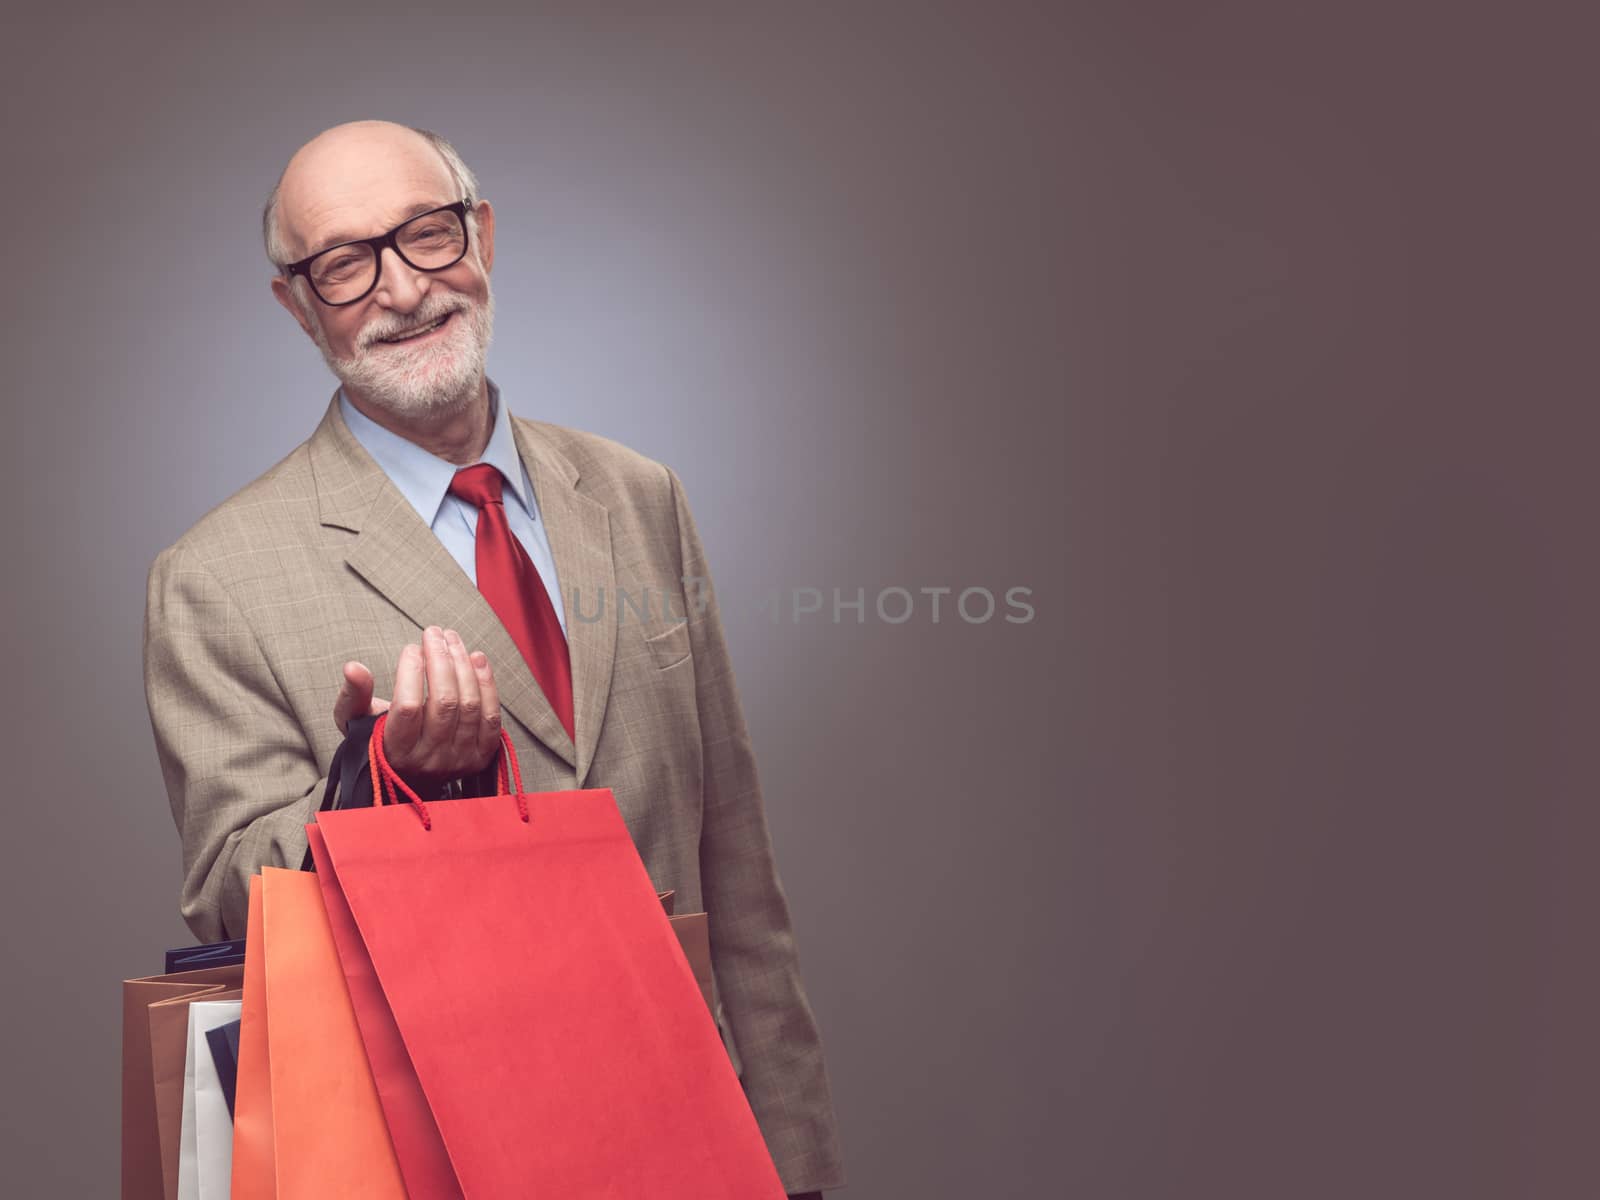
[385, 779]
[382, 789]
[377, 775]
[508, 756]
[391, 777]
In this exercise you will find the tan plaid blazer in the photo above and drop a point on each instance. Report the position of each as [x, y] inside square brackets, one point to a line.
[251, 614]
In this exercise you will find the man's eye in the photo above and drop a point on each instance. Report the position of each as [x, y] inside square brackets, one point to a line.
[342, 265]
[432, 236]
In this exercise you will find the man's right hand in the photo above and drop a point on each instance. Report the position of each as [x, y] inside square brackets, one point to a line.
[444, 719]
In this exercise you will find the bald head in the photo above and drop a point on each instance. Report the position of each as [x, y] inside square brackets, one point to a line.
[352, 174]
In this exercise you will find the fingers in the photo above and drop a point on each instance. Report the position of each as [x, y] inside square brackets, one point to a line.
[355, 695]
[444, 720]
[489, 726]
[404, 727]
[444, 696]
[469, 704]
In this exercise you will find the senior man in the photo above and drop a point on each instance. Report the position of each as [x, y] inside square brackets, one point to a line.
[426, 545]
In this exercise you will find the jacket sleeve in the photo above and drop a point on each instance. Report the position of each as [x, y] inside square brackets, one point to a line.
[241, 777]
[753, 953]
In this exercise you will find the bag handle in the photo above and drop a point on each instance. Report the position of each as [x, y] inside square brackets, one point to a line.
[386, 780]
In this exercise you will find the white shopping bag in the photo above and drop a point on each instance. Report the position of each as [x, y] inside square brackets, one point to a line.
[205, 1153]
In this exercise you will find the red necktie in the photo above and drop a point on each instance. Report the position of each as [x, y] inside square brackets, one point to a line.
[510, 583]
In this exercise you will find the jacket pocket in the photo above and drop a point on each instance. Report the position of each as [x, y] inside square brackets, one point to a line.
[669, 647]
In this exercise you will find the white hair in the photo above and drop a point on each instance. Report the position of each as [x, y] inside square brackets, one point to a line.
[465, 181]
[421, 381]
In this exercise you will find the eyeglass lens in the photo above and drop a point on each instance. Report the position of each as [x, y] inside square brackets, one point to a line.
[430, 242]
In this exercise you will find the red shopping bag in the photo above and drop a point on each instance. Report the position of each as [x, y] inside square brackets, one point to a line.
[557, 1033]
[424, 1161]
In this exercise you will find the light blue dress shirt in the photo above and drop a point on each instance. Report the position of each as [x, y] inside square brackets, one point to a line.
[424, 480]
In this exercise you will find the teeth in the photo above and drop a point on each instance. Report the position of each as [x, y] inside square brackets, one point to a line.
[406, 337]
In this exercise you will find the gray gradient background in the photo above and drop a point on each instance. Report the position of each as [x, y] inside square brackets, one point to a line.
[1245, 334]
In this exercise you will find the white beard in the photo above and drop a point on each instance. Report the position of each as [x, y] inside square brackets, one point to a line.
[429, 380]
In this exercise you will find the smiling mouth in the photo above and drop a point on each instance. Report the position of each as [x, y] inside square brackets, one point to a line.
[422, 331]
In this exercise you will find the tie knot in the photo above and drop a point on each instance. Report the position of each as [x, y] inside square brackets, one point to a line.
[477, 485]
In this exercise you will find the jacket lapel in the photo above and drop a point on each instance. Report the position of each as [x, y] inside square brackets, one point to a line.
[579, 528]
[400, 557]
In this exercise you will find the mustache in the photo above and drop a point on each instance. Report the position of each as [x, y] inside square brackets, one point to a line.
[426, 314]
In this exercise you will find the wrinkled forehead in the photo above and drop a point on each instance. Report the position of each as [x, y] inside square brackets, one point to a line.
[357, 188]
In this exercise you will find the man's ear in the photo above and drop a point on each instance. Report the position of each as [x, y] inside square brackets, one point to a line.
[282, 292]
[484, 232]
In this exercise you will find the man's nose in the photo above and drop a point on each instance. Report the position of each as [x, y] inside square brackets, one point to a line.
[400, 285]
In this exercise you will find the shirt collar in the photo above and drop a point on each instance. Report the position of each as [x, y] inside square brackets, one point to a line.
[501, 452]
[424, 478]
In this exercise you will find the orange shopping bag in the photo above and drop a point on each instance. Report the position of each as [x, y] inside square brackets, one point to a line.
[253, 1174]
[326, 1130]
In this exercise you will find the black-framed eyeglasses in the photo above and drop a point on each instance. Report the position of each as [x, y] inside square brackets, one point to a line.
[348, 272]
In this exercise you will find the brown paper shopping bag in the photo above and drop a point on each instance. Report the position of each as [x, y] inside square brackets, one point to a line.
[144, 1157]
[169, 1036]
